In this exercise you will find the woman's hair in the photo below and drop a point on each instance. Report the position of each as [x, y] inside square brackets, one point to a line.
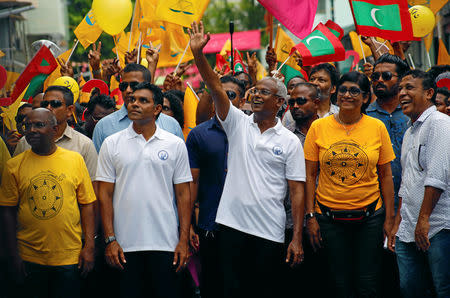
[176, 106]
[362, 81]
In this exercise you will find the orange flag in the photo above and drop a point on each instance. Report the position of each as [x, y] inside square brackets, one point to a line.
[443, 57]
[190, 108]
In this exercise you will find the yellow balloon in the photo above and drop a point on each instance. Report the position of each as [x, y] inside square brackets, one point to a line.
[112, 15]
[422, 19]
[69, 83]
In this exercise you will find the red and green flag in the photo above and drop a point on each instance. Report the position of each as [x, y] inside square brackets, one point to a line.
[335, 29]
[221, 62]
[238, 62]
[319, 46]
[388, 19]
[35, 73]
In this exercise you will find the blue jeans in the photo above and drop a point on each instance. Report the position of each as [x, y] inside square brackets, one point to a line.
[421, 271]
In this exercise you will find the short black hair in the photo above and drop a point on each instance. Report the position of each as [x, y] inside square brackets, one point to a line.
[444, 91]
[436, 70]
[102, 100]
[177, 93]
[330, 69]
[427, 81]
[140, 68]
[237, 82]
[19, 118]
[401, 66]
[250, 81]
[362, 81]
[312, 87]
[176, 105]
[158, 98]
[298, 76]
[66, 92]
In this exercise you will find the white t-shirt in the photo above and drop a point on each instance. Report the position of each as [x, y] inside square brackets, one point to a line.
[144, 173]
[259, 166]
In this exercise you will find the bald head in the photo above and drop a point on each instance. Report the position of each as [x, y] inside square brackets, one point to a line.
[44, 115]
[40, 131]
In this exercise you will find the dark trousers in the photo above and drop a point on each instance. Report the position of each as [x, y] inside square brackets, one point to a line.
[149, 274]
[49, 281]
[306, 279]
[354, 255]
[210, 277]
[250, 265]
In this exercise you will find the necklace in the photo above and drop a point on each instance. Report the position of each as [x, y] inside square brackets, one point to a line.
[338, 118]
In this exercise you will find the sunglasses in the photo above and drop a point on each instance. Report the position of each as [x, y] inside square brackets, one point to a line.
[56, 103]
[385, 75]
[124, 85]
[38, 125]
[231, 94]
[299, 100]
[354, 91]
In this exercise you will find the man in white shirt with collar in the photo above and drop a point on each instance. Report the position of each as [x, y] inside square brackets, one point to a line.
[144, 198]
[422, 244]
[263, 159]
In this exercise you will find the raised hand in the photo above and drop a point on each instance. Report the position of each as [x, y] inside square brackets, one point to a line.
[94, 56]
[65, 70]
[182, 68]
[152, 55]
[131, 57]
[368, 69]
[252, 62]
[271, 58]
[198, 37]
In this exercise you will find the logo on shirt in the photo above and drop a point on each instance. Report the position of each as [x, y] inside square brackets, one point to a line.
[345, 163]
[45, 196]
[277, 150]
[163, 155]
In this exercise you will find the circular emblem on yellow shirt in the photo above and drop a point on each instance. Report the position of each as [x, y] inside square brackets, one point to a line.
[345, 163]
[45, 196]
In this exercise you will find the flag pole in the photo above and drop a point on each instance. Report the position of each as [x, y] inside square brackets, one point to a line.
[383, 44]
[139, 49]
[231, 45]
[412, 61]
[192, 89]
[181, 59]
[131, 28]
[428, 58]
[362, 49]
[117, 50]
[279, 68]
[270, 30]
[71, 52]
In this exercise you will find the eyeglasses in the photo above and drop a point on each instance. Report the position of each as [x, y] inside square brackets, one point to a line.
[231, 94]
[299, 100]
[264, 92]
[354, 91]
[385, 75]
[124, 85]
[38, 125]
[56, 103]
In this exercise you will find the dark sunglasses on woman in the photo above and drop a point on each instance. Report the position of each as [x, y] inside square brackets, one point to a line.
[354, 91]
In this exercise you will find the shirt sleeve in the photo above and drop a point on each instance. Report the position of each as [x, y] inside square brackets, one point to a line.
[233, 121]
[193, 150]
[386, 151]
[437, 155]
[98, 137]
[85, 191]
[9, 189]
[106, 171]
[295, 162]
[182, 171]
[90, 157]
[310, 147]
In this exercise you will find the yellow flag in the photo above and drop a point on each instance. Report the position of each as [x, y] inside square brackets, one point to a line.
[181, 12]
[190, 109]
[357, 46]
[11, 78]
[57, 72]
[9, 113]
[260, 71]
[226, 48]
[283, 46]
[443, 57]
[1, 54]
[121, 46]
[88, 31]
[174, 42]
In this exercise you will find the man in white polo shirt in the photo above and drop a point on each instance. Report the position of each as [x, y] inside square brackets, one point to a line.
[141, 170]
[264, 158]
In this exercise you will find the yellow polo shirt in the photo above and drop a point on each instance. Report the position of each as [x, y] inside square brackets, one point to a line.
[47, 191]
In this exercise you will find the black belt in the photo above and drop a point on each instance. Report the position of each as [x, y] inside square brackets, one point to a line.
[349, 215]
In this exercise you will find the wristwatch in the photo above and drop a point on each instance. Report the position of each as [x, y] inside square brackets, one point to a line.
[309, 215]
[110, 239]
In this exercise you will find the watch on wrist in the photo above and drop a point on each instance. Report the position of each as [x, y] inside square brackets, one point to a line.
[110, 239]
[309, 215]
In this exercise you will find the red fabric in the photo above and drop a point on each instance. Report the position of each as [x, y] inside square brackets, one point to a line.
[405, 16]
[34, 68]
[3, 76]
[243, 41]
[221, 62]
[332, 25]
[95, 83]
[308, 59]
[443, 83]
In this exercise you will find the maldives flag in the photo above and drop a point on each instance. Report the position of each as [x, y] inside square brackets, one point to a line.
[34, 75]
[320, 46]
[335, 29]
[238, 62]
[221, 62]
[388, 19]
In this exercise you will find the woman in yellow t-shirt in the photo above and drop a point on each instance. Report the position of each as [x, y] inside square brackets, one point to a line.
[344, 211]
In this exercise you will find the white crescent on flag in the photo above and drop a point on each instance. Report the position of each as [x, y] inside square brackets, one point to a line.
[372, 14]
[308, 40]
